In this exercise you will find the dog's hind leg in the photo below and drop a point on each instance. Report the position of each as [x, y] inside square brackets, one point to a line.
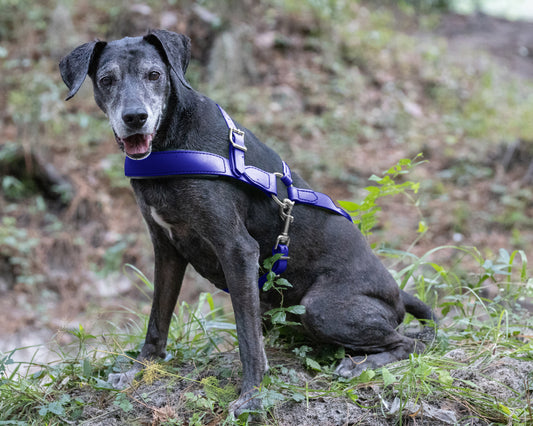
[168, 276]
[364, 325]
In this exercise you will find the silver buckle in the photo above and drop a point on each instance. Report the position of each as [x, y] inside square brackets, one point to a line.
[235, 145]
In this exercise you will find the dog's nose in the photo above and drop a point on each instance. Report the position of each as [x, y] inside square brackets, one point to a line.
[135, 118]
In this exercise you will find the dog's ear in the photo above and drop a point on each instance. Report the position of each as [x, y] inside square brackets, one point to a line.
[76, 65]
[177, 49]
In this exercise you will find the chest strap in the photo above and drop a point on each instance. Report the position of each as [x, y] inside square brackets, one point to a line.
[184, 162]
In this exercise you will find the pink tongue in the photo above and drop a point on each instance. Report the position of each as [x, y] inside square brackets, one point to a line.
[137, 144]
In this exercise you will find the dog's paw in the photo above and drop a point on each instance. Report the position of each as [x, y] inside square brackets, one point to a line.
[352, 367]
[122, 380]
[246, 404]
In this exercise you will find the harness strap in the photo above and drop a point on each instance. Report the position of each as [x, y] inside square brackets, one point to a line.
[185, 162]
[237, 147]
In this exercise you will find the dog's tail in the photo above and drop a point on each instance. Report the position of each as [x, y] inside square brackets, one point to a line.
[424, 314]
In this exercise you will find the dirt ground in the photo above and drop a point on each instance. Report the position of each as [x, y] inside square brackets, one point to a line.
[375, 405]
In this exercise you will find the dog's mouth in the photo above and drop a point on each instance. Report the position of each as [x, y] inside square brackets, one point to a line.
[136, 146]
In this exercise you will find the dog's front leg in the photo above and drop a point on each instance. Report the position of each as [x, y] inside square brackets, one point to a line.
[241, 272]
[168, 276]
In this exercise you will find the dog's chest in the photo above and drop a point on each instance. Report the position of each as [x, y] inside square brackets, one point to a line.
[158, 219]
[172, 219]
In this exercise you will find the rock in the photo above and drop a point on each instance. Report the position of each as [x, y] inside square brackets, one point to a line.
[135, 20]
[423, 410]
[61, 34]
[231, 63]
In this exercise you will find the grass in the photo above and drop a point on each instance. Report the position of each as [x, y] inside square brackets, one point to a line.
[199, 378]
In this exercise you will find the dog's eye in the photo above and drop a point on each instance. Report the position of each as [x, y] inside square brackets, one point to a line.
[153, 76]
[106, 81]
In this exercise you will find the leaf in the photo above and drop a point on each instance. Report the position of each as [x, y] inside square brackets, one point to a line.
[37, 375]
[86, 368]
[349, 206]
[340, 353]
[352, 395]
[312, 364]
[123, 402]
[445, 378]
[298, 397]
[296, 309]
[102, 384]
[221, 395]
[269, 283]
[388, 377]
[504, 256]
[302, 350]
[504, 409]
[422, 227]
[56, 408]
[282, 282]
[278, 317]
[367, 375]
[269, 397]
[269, 262]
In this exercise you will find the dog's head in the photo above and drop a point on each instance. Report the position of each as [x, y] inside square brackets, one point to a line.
[132, 80]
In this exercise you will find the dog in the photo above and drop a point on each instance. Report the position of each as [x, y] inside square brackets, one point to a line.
[226, 228]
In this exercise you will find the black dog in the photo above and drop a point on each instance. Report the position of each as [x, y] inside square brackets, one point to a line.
[225, 228]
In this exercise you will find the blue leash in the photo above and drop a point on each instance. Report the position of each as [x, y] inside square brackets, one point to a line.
[185, 162]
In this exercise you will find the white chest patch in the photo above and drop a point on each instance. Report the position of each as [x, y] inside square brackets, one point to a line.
[159, 220]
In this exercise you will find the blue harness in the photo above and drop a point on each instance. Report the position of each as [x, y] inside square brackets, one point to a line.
[185, 162]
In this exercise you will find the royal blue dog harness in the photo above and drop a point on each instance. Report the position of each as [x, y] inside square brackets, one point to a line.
[185, 162]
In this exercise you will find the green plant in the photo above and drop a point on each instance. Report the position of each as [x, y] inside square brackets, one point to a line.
[60, 407]
[113, 168]
[35, 99]
[221, 395]
[278, 316]
[23, 397]
[196, 330]
[364, 214]
[82, 337]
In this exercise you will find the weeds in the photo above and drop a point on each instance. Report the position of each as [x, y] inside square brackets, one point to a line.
[201, 334]
[278, 316]
[365, 214]
[484, 330]
[202, 338]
